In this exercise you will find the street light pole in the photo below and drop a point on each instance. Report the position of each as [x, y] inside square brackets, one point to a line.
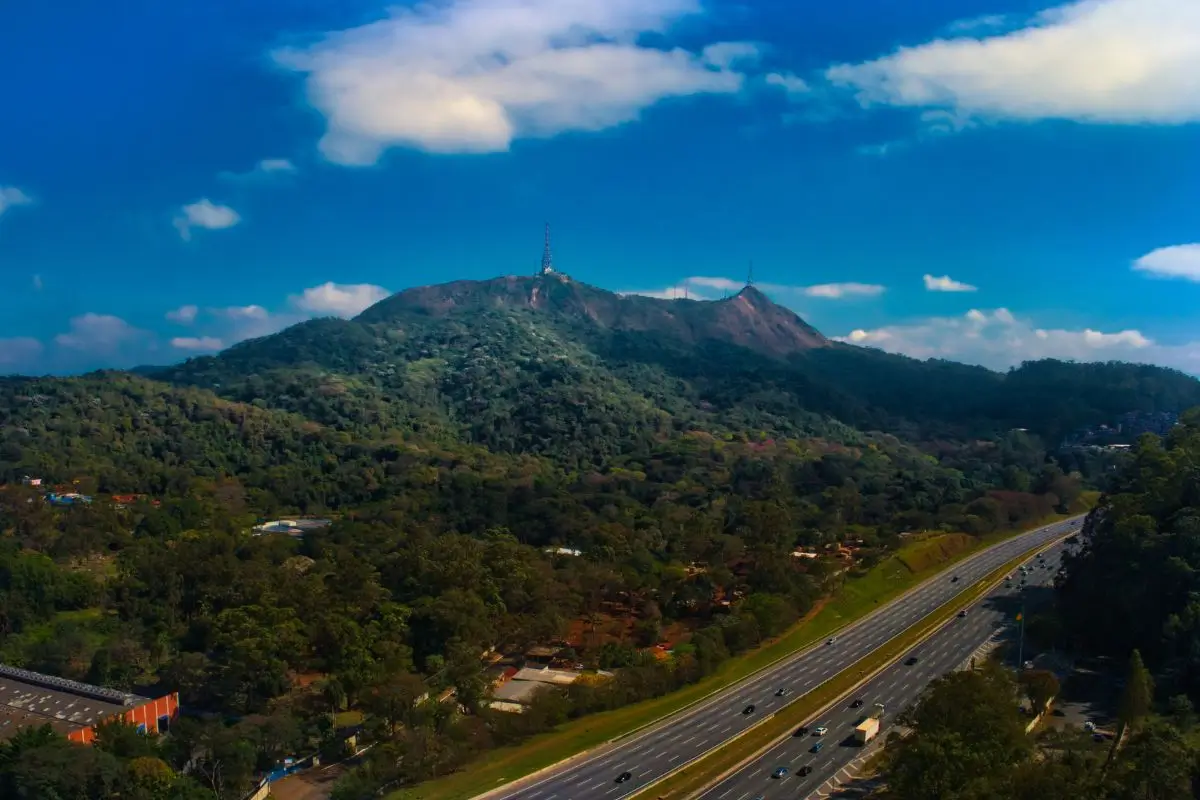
[1021, 639]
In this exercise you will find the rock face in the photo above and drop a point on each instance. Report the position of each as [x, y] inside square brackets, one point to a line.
[749, 318]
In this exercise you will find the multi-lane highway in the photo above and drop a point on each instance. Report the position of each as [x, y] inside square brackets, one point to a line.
[896, 687]
[691, 733]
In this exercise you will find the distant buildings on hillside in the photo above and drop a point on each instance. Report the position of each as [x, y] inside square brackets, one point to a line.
[292, 527]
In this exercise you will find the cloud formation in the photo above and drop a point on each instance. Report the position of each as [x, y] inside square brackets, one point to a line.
[184, 315]
[1177, 261]
[18, 350]
[97, 333]
[700, 287]
[263, 169]
[339, 300]
[837, 291]
[206, 344]
[11, 196]
[471, 76]
[204, 214]
[999, 339]
[1098, 61]
[946, 284]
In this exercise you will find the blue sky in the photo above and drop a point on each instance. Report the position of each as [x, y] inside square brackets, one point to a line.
[984, 180]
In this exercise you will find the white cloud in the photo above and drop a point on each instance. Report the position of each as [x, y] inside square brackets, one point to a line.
[712, 288]
[470, 76]
[97, 333]
[792, 84]
[1177, 261]
[946, 284]
[725, 55]
[999, 339]
[205, 214]
[339, 299]
[276, 165]
[837, 291]
[11, 196]
[19, 351]
[184, 315]
[251, 312]
[1101, 61]
[197, 343]
[263, 169]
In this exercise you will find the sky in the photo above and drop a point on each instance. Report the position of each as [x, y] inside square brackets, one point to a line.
[988, 181]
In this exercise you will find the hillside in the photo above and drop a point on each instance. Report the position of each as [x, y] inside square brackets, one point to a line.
[550, 366]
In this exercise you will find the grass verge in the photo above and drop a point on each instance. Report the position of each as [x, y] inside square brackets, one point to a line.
[857, 597]
[711, 768]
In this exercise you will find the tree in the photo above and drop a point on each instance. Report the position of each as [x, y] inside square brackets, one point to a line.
[1138, 696]
[1157, 764]
[1041, 686]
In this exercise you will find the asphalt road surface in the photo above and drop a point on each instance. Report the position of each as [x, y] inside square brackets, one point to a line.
[694, 731]
[896, 687]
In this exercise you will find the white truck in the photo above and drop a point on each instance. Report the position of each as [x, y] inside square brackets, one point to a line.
[866, 730]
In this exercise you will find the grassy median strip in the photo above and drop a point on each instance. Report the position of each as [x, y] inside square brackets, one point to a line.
[857, 597]
[711, 768]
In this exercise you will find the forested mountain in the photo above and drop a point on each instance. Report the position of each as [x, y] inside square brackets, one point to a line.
[678, 451]
[550, 366]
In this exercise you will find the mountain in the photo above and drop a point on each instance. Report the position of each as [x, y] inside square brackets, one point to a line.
[748, 319]
[549, 366]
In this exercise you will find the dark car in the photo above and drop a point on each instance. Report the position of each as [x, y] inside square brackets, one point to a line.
[748, 709]
[780, 772]
[908, 662]
[954, 579]
[781, 692]
[962, 613]
[857, 703]
[624, 776]
[816, 748]
[801, 731]
[805, 770]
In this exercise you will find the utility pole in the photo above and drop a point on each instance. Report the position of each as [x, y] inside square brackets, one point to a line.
[1021, 639]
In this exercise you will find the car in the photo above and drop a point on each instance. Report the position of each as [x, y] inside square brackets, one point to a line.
[816, 748]
[831, 640]
[805, 770]
[748, 709]
[801, 731]
[962, 613]
[954, 579]
[858, 703]
[780, 772]
[782, 692]
[908, 662]
[820, 730]
[624, 776]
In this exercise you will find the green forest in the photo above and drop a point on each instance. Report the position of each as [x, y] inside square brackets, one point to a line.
[1129, 599]
[451, 455]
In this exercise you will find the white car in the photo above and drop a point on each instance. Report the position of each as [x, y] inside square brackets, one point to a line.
[820, 730]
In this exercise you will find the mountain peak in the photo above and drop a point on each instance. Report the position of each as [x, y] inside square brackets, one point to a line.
[749, 319]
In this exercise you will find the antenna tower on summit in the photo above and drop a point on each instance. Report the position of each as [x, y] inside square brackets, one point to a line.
[547, 260]
[750, 275]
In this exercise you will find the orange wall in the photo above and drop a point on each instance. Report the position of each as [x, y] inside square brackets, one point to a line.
[146, 714]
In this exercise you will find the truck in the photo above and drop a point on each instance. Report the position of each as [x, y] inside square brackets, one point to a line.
[866, 730]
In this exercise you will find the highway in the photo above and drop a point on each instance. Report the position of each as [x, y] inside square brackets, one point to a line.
[674, 742]
[896, 687]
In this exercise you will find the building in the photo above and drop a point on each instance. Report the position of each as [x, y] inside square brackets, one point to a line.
[30, 700]
[292, 527]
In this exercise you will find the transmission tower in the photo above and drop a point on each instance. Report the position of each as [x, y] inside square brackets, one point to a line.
[750, 275]
[547, 260]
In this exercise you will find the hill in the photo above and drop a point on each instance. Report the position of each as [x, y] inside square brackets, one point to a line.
[551, 366]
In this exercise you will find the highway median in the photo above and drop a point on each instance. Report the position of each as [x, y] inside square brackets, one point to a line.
[715, 766]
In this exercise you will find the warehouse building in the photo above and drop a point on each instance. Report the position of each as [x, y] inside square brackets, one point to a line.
[30, 700]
